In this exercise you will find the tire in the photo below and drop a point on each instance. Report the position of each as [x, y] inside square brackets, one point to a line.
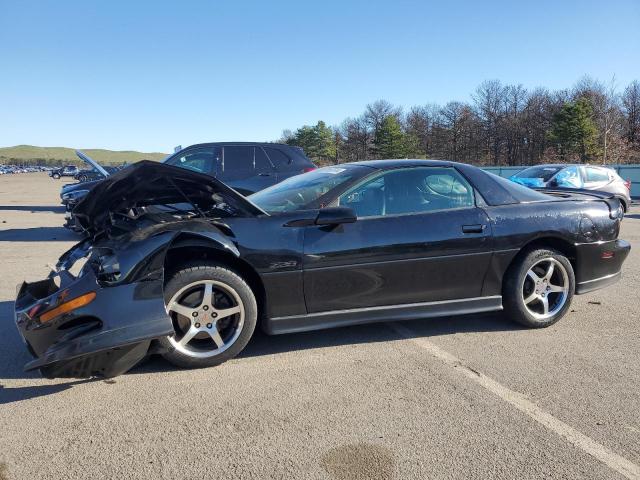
[208, 333]
[82, 178]
[624, 206]
[56, 176]
[531, 296]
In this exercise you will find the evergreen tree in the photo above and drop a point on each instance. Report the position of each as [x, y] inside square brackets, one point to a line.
[574, 131]
[390, 141]
[318, 141]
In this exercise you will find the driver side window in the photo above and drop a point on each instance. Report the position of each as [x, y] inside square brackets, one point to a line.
[410, 190]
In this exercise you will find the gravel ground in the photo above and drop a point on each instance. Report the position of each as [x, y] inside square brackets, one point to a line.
[463, 397]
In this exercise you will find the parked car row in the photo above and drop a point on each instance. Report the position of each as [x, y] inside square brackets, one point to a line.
[11, 169]
[176, 262]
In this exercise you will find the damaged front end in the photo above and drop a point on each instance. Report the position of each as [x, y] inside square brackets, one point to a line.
[77, 323]
[101, 307]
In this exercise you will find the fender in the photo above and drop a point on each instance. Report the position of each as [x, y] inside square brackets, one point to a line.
[214, 238]
[144, 260]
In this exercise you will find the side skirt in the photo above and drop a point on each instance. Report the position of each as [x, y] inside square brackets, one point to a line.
[357, 316]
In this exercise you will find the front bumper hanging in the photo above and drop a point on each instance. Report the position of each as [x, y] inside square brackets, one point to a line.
[104, 337]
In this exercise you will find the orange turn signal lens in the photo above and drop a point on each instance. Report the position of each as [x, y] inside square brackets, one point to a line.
[65, 307]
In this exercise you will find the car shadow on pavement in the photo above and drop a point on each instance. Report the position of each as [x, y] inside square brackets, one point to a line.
[262, 344]
[33, 208]
[633, 215]
[13, 353]
[18, 394]
[38, 234]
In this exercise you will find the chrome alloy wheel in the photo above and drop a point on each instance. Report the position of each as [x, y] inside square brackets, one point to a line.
[545, 288]
[207, 316]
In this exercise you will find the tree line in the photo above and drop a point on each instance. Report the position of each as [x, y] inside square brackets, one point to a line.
[501, 125]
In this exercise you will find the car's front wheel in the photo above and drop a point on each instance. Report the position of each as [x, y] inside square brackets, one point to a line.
[214, 314]
[56, 176]
[538, 289]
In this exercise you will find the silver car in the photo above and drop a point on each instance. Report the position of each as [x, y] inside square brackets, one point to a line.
[589, 177]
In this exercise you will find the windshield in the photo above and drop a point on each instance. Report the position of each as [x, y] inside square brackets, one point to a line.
[543, 172]
[301, 191]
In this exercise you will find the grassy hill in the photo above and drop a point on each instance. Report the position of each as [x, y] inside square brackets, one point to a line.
[28, 155]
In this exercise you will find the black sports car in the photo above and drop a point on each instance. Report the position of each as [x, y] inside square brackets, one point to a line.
[178, 263]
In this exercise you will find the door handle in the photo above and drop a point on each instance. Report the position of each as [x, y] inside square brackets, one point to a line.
[477, 228]
[264, 174]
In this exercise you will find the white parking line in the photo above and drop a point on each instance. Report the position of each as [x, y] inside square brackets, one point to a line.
[608, 457]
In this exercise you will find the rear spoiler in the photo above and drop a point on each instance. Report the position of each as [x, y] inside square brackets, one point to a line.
[613, 202]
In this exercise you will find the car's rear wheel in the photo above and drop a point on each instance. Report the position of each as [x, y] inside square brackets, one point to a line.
[56, 176]
[214, 314]
[538, 289]
[82, 178]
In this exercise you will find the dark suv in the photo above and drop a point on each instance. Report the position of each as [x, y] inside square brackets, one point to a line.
[68, 171]
[245, 166]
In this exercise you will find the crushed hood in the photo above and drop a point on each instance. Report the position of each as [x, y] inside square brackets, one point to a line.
[151, 183]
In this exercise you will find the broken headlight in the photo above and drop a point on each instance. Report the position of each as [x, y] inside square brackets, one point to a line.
[106, 264]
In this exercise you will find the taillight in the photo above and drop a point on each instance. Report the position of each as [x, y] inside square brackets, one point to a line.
[308, 169]
[627, 183]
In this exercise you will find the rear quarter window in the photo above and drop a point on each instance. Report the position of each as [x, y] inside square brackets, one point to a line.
[518, 192]
[278, 157]
[596, 174]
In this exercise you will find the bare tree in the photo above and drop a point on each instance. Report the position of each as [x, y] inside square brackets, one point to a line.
[488, 99]
[356, 139]
[515, 100]
[631, 109]
[419, 124]
[377, 111]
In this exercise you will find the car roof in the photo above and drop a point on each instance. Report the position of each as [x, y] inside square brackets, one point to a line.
[565, 165]
[264, 144]
[405, 162]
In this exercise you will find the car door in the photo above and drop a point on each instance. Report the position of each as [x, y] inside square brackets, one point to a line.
[246, 168]
[419, 237]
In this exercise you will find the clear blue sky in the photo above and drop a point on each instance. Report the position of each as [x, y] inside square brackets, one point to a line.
[148, 75]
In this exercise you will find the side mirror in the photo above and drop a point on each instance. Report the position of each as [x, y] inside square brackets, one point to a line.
[335, 216]
[324, 216]
[553, 183]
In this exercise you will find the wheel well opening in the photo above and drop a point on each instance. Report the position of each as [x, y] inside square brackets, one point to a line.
[623, 202]
[180, 256]
[554, 243]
